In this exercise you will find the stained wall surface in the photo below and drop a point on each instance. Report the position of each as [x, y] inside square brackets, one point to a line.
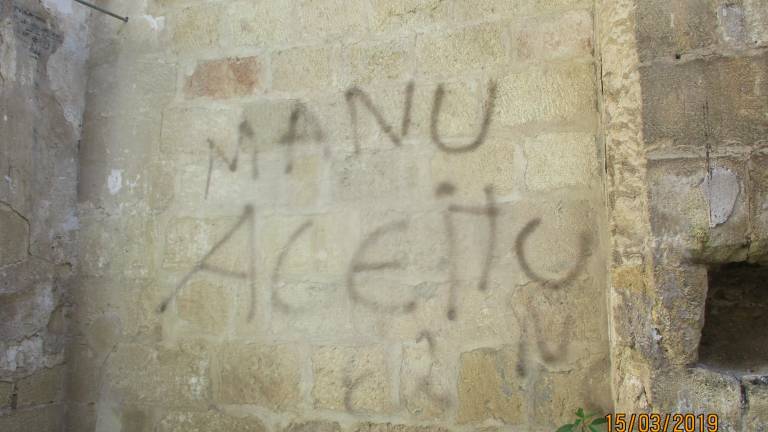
[357, 215]
[43, 50]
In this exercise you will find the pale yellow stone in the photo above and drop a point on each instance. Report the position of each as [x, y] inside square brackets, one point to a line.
[209, 421]
[195, 27]
[560, 160]
[546, 95]
[489, 387]
[258, 375]
[304, 68]
[249, 23]
[205, 306]
[351, 379]
[188, 129]
[492, 164]
[173, 376]
[388, 60]
[469, 49]
[555, 37]
[407, 15]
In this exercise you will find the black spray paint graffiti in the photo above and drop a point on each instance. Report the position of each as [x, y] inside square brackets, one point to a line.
[491, 212]
[247, 222]
[304, 127]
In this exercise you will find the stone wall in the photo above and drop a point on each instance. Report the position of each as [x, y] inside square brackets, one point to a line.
[686, 97]
[357, 215]
[43, 49]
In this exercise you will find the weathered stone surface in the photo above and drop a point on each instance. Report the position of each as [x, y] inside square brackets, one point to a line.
[666, 28]
[210, 421]
[248, 23]
[313, 426]
[304, 68]
[171, 376]
[188, 241]
[758, 217]
[44, 387]
[47, 419]
[681, 206]
[351, 379]
[258, 375]
[554, 37]
[225, 78]
[546, 95]
[6, 391]
[679, 116]
[398, 15]
[205, 306]
[471, 10]
[389, 60]
[697, 391]
[469, 49]
[555, 394]
[489, 387]
[389, 427]
[187, 130]
[756, 390]
[560, 160]
[195, 27]
[14, 237]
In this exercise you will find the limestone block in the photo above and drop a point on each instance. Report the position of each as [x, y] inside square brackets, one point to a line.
[408, 15]
[330, 20]
[471, 10]
[43, 387]
[14, 237]
[189, 241]
[756, 12]
[469, 49]
[493, 164]
[555, 394]
[757, 404]
[258, 375]
[697, 391]
[353, 379]
[389, 427]
[313, 426]
[29, 300]
[546, 95]
[556, 161]
[380, 61]
[758, 248]
[708, 221]
[186, 130]
[489, 387]
[117, 246]
[209, 421]
[46, 419]
[425, 387]
[206, 306]
[388, 175]
[302, 68]
[173, 376]
[225, 78]
[255, 24]
[666, 28]
[555, 37]
[679, 118]
[460, 117]
[195, 27]
[6, 391]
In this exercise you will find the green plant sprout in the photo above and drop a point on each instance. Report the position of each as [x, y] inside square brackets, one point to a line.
[584, 423]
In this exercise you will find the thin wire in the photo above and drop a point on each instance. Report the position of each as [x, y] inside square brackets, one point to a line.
[92, 6]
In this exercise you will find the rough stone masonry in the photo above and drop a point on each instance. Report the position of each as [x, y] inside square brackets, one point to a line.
[381, 215]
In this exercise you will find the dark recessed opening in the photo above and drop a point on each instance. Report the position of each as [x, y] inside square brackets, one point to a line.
[735, 334]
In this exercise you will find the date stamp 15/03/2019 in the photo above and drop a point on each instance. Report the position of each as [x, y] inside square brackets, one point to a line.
[656, 422]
